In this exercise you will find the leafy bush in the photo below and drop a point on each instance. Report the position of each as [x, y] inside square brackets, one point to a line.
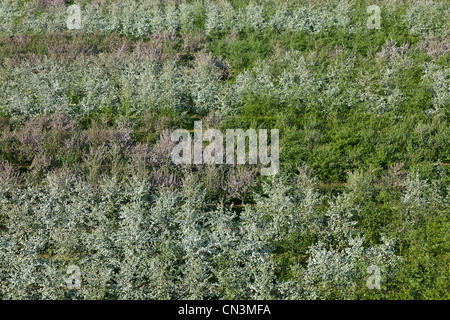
[87, 181]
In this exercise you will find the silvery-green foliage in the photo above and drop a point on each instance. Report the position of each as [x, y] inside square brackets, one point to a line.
[133, 243]
[187, 11]
[158, 18]
[425, 17]
[229, 259]
[105, 18]
[339, 260]
[227, 101]
[313, 20]
[222, 17]
[136, 19]
[139, 86]
[424, 198]
[242, 263]
[148, 85]
[24, 274]
[380, 104]
[162, 227]
[257, 82]
[255, 17]
[127, 242]
[307, 200]
[32, 90]
[32, 20]
[13, 101]
[95, 17]
[341, 13]
[98, 259]
[173, 87]
[98, 90]
[60, 224]
[306, 18]
[415, 192]
[173, 18]
[390, 99]
[339, 225]
[334, 272]
[35, 228]
[361, 184]
[9, 11]
[297, 84]
[281, 211]
[262, 271]
[204, 85]
[196, 244]
[29, 90]
[82, 87]
[51, 20]
[214, 22]
[274, 216]
[131, 18]
[229, 17]
[279, 18]
[439, 78]
[136, 245]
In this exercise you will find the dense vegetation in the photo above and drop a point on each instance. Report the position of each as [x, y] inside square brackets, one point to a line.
[86, 176]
